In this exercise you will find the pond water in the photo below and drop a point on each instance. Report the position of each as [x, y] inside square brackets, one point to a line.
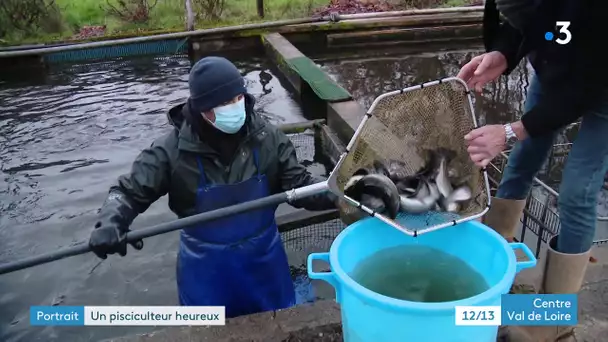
[65, 136]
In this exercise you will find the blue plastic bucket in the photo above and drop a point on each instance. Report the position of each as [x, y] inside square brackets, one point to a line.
[370, 317]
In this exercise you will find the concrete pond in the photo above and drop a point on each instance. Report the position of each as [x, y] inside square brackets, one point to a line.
[69, 132]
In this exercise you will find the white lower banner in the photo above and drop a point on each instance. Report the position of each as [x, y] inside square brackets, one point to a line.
[154, 315]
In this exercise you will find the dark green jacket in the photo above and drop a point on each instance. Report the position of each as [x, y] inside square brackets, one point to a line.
[169, 166]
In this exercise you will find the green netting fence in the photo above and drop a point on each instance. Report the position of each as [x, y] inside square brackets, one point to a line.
[160, 47]
[305, 231]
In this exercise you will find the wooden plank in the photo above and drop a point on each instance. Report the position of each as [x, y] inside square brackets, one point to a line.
[416, 34]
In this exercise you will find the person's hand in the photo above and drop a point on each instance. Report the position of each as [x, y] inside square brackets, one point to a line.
[483, 69]
[485, 143]
[110, 238]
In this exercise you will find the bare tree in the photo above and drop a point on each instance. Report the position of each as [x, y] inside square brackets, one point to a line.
[137, 11]
[210, 9]
[260, 4]
[24, 15]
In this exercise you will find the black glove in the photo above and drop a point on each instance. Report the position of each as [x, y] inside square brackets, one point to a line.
[109, 235]
[325, 200]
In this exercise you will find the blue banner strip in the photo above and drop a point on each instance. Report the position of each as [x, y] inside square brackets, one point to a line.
[539, 309]
[57, 315]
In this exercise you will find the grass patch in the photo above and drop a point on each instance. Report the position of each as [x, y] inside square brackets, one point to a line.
[274, 9]
[169, 16]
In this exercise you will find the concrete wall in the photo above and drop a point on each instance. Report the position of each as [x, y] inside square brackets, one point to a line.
[406, 31]
[412, 31]
[428, 31]
[319, 322]
[343, 115]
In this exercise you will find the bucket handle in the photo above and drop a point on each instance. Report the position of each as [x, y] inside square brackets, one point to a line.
[329, 277]
[521, 265]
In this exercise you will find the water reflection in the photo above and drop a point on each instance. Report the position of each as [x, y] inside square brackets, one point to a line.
[64, 138]
[91, 114]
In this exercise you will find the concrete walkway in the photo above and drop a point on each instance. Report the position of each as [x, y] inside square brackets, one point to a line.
[320, 322]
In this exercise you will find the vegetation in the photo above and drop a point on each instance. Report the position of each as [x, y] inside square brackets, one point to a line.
[39, 21]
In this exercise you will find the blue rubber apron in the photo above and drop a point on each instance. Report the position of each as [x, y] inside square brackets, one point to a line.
[236, 261]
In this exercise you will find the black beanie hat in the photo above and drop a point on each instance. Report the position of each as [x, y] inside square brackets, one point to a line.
[213, 81]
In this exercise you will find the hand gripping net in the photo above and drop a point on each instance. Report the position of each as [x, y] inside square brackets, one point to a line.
[400, 125]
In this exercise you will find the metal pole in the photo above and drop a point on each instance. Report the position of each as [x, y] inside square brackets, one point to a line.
[299, 127]
[411, 12]
[189, 16]
[162, 228]
[228, 29]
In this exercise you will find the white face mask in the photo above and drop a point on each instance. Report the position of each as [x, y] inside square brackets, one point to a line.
[230, 118]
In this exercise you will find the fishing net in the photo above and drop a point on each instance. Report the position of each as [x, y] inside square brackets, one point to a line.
[401, 125]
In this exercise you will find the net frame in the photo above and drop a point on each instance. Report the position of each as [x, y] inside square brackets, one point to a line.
[443, 219]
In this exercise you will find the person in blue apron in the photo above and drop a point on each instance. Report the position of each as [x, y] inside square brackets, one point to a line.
[219, 152]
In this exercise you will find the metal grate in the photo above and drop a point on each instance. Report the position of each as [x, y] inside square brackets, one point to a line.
[304, 144]
[541, 216]
[312, 231]
[317, 237]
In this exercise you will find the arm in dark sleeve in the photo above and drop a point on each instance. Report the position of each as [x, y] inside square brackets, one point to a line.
[549, 114]
[567, 97]
[502, 37]
[509, 42]
[294, 175]
[134, 192]
[558, 107]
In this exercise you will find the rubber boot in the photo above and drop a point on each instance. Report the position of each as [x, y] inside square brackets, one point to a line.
[563, 273]
[504, 216]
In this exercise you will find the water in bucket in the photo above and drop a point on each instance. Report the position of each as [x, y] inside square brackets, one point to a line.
[419, 273]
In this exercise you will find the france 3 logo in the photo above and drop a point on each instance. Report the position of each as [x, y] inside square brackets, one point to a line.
[564, 35]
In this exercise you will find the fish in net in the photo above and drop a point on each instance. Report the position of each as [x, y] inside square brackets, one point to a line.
[404, 125]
